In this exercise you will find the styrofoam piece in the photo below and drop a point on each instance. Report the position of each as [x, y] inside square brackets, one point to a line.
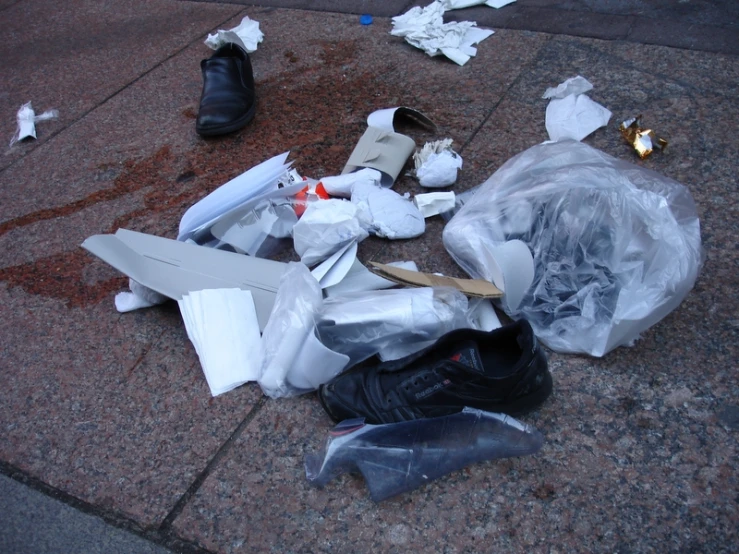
[174, 268]
[512, 268]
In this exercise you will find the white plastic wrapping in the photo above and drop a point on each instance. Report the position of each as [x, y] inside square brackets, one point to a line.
[390, 323]
[616, 247]
[294, 360]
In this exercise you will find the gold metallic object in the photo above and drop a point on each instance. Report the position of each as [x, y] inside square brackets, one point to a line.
[643, 140]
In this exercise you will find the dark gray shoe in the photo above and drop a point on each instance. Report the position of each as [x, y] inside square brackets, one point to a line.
[503, 371]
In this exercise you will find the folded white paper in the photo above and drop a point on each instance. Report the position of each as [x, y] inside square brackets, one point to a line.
[341, 185]
[222, 326]
[257, 181]
[246, 34]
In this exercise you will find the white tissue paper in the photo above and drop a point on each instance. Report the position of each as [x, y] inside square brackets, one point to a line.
[27, 120]
[326, 227]
[434, 203]
[139, 297]
[341, 185]
[459, 4]
[222, 325]
[572, 114]
[392, 216]
[424, 28]
[246, 34]
[437, 164]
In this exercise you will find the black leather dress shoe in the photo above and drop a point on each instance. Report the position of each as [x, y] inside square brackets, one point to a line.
[228, 101]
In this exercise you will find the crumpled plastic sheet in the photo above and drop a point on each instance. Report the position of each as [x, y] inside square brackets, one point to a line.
[400, 457]
[27, 120]
[425, 29]
[246, 34]
[616, 247]
[390, 323]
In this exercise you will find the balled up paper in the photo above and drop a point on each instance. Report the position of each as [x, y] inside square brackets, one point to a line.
[139, 297]
[222, 326]
[572, 114]
[392, 216]
[424, 28]
[437, 164]
[246, 34]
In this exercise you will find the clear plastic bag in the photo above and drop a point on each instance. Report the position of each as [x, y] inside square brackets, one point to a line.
[616, 247]
[400, 457]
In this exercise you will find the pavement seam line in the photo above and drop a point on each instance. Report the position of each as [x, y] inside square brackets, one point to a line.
[503, 96]
[110, 517]
[180, 505]
[105, 100]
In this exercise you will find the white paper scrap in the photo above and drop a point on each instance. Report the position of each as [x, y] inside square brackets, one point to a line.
[341, 185]
[434, 203]
[246, 34]
[574, 117]
[571, 114]
[573, 85]
[425, 29]
[139, 297]
[222, 325]
[459, 4]
[27, 120]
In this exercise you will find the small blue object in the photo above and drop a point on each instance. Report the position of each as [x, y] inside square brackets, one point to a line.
[365, 19]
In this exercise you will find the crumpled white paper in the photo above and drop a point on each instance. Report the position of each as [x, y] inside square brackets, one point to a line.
[572, 114]
[424, 28]
[27, 120]
[139, 297]
[459, 4]
[246, 34]
[437, 164]
[326, 227]
[222, 325]
[392, 215]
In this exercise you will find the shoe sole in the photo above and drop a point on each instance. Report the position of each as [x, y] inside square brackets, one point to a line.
[240, 123]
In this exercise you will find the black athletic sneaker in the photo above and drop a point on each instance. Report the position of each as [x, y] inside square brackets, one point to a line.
[502, 371]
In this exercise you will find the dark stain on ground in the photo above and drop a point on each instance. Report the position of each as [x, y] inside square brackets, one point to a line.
[318, 115]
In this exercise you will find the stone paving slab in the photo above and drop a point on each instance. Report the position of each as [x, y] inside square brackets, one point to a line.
[111, 410]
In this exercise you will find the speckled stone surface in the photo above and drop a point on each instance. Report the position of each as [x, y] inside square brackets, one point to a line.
[112, 409]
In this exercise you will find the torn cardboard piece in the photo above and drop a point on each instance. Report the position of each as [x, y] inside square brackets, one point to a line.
[383, 149]
[470, 287]
[173, 268]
